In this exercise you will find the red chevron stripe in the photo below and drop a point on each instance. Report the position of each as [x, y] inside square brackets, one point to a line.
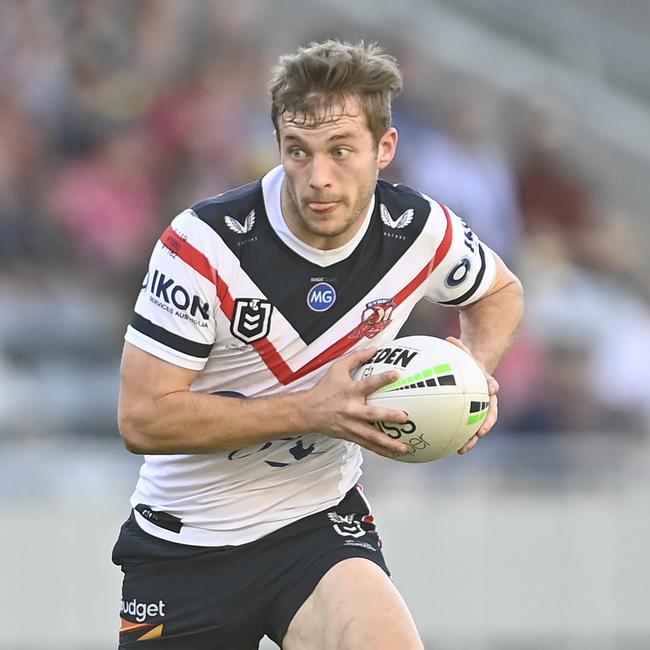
[200, 263]
[445, 244]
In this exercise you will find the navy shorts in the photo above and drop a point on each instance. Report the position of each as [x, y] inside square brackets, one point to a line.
[181, 597]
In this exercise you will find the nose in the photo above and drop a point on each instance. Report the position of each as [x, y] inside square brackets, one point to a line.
[319, 173]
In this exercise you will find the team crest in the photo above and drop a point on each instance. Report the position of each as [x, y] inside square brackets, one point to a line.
[375, 318]
[396, 224]
[251, 320]
[241, 228]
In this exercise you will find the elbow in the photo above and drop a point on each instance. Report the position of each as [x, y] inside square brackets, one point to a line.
[513, 285]
[133, 439]
[134, 431]
[513, 292]
[520, 297]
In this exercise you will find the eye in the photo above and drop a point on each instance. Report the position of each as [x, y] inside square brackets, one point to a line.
[297, 153]
[341, 153]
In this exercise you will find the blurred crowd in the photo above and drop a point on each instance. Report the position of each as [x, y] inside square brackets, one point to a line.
[114, 116]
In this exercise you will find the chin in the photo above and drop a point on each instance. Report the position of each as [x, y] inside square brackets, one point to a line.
[330, 233]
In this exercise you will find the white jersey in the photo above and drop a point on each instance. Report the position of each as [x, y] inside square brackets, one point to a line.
[231, 293]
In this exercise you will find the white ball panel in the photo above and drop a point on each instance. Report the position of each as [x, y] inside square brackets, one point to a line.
[443, 415]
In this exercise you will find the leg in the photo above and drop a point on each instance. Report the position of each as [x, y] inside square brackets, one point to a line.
[355, 606]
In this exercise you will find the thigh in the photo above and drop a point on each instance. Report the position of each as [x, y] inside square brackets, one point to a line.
[306, 551]
[355, 606]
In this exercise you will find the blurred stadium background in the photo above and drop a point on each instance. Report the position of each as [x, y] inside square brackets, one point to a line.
[530, 119]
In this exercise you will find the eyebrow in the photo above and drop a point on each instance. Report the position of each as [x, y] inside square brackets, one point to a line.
[332, 138]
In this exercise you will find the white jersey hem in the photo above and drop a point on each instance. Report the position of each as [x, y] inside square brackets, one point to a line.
[193, 536]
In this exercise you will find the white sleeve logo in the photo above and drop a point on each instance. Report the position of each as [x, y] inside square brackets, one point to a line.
[401, 222]
[241, 229]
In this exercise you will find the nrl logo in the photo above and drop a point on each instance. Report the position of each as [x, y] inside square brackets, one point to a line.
[396, 224]
[251, 320]
[239, 228]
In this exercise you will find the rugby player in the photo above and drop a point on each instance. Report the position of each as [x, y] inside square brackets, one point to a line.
[236, 381]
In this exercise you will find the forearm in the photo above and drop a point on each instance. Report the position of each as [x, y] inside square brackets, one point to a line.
[186, 422]
[488, 327]
[160, 414]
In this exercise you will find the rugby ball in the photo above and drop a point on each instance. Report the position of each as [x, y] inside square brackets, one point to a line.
[441, 387]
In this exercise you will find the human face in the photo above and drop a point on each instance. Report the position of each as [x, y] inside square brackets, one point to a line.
[330, 174]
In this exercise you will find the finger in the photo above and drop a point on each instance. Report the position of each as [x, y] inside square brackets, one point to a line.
[379, 414]
[490, 419]
[458, 343]
[370, 384]
[353, 360]
[484, 429]
[367, 434]
[470, 444]
[378, 449]
[493, 384]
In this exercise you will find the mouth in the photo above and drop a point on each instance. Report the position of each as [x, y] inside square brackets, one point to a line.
[322, 207]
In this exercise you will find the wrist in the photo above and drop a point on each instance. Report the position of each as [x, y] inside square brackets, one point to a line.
[300, 412]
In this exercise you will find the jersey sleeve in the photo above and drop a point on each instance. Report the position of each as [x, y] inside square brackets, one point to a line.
[174, 316]
[465, 267]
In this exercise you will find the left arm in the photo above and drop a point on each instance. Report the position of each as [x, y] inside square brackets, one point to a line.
[488, 327]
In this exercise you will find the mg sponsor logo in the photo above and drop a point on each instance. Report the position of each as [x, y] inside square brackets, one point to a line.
[321, 297]
[165, 292]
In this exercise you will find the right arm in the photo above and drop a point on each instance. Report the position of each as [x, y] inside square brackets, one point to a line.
[159, 414]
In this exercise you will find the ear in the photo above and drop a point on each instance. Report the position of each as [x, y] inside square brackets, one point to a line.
[387, 148]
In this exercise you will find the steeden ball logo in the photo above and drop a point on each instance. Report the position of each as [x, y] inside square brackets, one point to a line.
[321, 297]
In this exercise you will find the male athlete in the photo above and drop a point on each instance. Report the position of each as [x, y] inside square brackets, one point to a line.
[236, 377]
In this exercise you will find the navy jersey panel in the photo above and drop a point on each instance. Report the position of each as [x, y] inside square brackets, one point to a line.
[286, 278]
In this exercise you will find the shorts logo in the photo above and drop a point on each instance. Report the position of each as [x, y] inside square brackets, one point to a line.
[141, 631]
[321, 297]
[346, 525]
[241, 228]
[395, 224]
[142, 611]
[375, 318]
[251, 320]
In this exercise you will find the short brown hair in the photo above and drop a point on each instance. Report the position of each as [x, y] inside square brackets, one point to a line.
[316, 80]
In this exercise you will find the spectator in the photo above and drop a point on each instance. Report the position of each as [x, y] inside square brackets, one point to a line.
[107, 202]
